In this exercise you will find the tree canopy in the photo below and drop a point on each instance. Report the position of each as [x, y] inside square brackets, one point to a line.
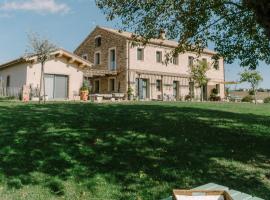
[253, 78]
[240, 29]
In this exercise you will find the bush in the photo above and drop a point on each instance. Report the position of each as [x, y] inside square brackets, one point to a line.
[266, 100]
[248, 98]
[188, 97]
[7, 98]
[85, 86]
[214, 98]
[251, 92]
[56, 186]
[214, 95]
[15, 183]
[38, 177]
[214, 91]
[25, 179]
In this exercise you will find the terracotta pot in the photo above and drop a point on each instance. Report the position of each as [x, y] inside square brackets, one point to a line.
[84, 95]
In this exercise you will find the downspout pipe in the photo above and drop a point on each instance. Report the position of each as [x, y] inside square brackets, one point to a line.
[128, 70]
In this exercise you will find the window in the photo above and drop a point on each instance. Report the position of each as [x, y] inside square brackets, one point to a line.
[216, 64]
[96, 86]
[190, 60]
[97, 58]
[112, 85]
[175, 60]
[175, 89]
[140, 54]
[218, 88]
[97, 41]
[158, 85]
[191, 89]
[159, 56]
[112, 59]
[204, 60]
[8, 81]
[85, 56]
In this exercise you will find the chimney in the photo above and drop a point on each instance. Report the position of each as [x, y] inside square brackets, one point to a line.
[162, 34]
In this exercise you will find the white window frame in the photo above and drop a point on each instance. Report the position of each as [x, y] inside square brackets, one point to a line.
[109, 84]
[109, 60]
[95, 58]
[85, 55]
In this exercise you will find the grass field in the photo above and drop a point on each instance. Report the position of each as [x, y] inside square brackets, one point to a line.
[131, 151]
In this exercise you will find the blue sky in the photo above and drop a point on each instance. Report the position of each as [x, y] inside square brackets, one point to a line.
[66, 23]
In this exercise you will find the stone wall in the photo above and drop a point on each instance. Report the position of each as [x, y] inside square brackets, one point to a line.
[108, 40]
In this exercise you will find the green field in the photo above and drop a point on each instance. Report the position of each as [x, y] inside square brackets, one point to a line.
[131, 151]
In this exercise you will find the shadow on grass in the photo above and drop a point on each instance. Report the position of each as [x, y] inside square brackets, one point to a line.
[145, 149]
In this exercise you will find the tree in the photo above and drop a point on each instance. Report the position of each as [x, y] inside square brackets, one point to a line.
[198, 74]
[252, 77]
[240, 29]
[42, 49]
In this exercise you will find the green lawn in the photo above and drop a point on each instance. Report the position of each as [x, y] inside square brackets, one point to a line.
[131, 151]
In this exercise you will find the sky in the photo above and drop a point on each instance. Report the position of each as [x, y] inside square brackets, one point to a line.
[67, 23]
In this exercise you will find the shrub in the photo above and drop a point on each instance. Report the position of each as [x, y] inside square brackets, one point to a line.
[25, 179]
[266, 100]
[251, 92]
[85, 86]
[188, 97]
[7, 98]
[214, 91]
[38, 177]
[215, 98]
[214, 95]
[56, 186]
[248, 98]
[15, 183]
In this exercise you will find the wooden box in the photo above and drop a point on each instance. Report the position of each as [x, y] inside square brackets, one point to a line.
[201, 195]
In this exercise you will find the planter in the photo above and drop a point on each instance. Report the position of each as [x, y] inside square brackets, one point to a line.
[201, 195]
[84, 95]
[35, 99]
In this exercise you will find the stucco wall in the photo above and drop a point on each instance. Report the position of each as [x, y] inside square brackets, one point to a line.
[17, 75]
[58, 66]
[149, 64]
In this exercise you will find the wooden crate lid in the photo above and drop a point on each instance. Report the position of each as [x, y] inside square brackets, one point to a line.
[201, 195]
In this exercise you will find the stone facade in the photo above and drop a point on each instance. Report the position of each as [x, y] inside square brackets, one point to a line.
[108, 41]
[145, 73]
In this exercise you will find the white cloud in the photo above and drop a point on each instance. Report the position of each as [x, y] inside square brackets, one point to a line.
[41, 6]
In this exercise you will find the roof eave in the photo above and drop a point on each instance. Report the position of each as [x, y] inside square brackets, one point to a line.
[13, 62]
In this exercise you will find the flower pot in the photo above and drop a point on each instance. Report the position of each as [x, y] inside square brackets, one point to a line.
[84, 95]
[34, 98]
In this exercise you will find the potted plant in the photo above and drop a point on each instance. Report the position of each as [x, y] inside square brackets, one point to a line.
[214, 95]
[34, 94]
[130, 93]
[84, 91]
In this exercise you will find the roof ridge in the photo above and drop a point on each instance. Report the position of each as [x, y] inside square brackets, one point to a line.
[164, 42]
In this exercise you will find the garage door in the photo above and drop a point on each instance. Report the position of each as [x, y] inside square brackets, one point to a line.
[56, 86]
